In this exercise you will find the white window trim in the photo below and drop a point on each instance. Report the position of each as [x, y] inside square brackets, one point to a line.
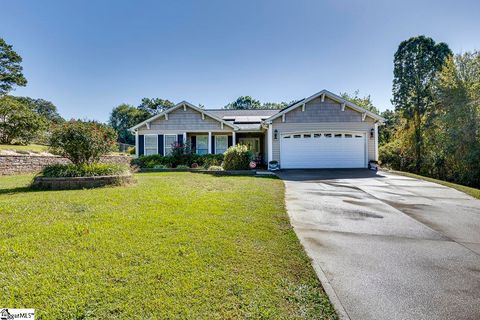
[145, 143]
[165, 142]
[226, 145]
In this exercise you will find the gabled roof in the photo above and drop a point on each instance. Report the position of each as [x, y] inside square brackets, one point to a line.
[179, 105]
[330, 95]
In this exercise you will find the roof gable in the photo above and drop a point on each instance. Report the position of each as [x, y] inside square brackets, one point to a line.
[325, 93]
[183, 104]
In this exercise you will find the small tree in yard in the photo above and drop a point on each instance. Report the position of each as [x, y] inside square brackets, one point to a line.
[82, 142]
[237, 158]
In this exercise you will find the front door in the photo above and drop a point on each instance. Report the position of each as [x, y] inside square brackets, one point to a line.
[253, 144]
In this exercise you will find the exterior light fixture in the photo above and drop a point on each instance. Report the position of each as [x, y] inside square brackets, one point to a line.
[372, 133]
[275, 134]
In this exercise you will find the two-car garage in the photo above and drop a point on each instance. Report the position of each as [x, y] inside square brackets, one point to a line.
[323, 150]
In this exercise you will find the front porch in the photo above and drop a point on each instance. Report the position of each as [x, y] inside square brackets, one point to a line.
[219, 142]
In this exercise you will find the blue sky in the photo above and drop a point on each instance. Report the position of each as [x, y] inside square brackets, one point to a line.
[89, 56]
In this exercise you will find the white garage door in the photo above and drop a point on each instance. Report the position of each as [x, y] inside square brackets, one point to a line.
[322, 150]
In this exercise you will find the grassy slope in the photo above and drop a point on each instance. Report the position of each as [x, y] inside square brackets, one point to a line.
[176, 245]
[468, 190]
[30, 147]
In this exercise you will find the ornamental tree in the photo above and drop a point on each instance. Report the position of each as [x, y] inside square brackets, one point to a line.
[82, 142]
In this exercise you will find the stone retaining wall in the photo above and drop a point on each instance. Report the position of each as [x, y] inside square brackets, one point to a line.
[70, 183]
[32, 164]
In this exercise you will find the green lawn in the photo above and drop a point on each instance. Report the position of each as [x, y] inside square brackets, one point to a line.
[29, 147]
[176, 245]
[468, 190]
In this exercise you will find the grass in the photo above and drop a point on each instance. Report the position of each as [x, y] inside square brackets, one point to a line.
[176, 245]
[30, 147]
[468, 190]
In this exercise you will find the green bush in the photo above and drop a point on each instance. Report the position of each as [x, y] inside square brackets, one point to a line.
[151, 161]
[182, 166]
[131, 150]
[82, 142]
[215, 168]
[84, 170]
[237, 158]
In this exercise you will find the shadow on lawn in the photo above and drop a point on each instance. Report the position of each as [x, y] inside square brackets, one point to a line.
[18, 190]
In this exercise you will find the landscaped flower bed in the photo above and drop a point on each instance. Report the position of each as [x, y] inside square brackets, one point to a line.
[70, 176]
[83, 143]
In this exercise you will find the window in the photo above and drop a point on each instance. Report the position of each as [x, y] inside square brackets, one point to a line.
[170, 139]
[296, 136]
[202, 144]
[307, 135]
[221, 144]
[151, 144]
[358, 136]
[338, 135]
[317, 135]
[348, 135]
[327, 135]
[286, 137]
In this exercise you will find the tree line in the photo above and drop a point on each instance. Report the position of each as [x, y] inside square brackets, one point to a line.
[434, 128]
[22, 119]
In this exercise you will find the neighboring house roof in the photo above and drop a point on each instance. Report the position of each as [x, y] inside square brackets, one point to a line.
[326, 93]
[179, 105]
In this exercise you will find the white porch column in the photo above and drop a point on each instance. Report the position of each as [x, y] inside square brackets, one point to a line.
[270, 142]
[234, 138]
[184, 138]
[376, 142]
[209, 142]
[136, 143]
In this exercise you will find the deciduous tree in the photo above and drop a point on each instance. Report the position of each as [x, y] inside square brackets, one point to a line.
[416, 64]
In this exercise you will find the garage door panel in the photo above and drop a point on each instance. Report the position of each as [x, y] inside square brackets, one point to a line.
[322, 152]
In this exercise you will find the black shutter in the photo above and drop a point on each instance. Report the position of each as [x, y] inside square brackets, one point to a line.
[194, 143]
[230, 141]
[180, 139]
[213, 144]
[160, 144]
[141, 145]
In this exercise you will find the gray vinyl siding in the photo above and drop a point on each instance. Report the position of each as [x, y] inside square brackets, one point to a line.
[181, 120]
[318, 116]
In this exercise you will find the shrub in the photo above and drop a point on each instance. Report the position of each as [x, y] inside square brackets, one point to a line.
[182, 166]
[237, 158]
[82, 142]
[84, 170]
[215, 168]
[131, 150]
[159, 166]
[208, 160]
[171, 161]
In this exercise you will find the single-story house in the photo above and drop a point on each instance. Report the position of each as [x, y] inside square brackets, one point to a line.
[321, 131]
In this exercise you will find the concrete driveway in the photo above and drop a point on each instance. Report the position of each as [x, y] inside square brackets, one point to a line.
[387, 246]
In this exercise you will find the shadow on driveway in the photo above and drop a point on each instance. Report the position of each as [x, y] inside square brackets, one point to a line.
[327, 174]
